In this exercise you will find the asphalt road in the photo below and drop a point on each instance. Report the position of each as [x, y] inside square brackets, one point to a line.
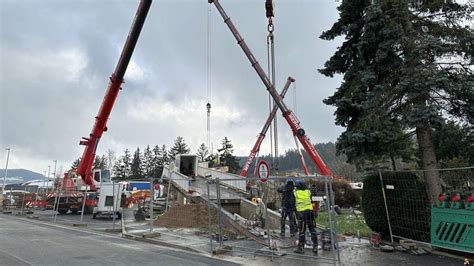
[69, 219]
[31, 242]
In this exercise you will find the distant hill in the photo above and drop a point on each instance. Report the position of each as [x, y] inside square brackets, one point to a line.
[15, 176]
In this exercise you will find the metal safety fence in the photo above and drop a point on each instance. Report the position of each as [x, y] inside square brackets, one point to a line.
[408, 206]
[18, 198]
[205, 214]
[254, 226]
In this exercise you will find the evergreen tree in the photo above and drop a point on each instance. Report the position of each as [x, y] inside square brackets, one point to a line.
[137, 166]
[148, 162]
[122, 167]
[180, 147]
[202, 153]
[119, 172]
[157, 161]
[110, 159]
[165, 156]
[100, 162]
[397, 78]
[227, 158]
[454, 145]
[76, 162]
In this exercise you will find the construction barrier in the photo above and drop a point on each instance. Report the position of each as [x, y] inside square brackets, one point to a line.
[412, 215]
[452, 222]
[241, 226]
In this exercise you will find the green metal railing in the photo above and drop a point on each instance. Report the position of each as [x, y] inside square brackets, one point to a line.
[452, 223]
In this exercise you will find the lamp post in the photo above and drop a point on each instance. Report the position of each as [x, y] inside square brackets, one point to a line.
[47, 184]
[6, 168]
[54, 174]
[44, 182]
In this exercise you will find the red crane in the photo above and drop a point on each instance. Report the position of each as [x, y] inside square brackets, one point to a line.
[116, 80]
[263, 132]
[289, 116]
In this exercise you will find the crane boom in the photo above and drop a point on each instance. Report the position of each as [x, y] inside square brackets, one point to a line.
[116, 80]
[264, 130]
[289, 116]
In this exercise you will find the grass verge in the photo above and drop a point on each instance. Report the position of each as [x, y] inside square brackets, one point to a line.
[347, 224]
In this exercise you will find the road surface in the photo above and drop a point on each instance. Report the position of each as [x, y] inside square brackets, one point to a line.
[30, 242]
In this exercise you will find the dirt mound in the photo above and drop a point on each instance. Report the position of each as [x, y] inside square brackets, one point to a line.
[187, 216]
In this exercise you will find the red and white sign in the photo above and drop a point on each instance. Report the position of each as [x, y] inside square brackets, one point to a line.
[263, 171]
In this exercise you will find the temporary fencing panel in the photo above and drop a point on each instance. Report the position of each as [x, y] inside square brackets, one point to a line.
[410, 212]
[253, 226]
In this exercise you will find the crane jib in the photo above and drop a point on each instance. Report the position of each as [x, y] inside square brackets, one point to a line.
[287, 113]
[116, 80]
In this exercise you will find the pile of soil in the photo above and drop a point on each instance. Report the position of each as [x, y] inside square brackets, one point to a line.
[187, 216]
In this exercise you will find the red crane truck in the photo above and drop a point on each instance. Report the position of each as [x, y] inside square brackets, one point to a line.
[84, 178]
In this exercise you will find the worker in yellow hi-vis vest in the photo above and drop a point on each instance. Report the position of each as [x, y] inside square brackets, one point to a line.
[305, 215]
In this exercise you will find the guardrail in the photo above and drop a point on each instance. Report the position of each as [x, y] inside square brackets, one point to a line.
[214, 174]
[178, 179]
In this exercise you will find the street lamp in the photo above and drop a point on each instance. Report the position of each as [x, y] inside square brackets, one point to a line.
[6, 168]
[54, 174]
[44, 181]
[47, 184]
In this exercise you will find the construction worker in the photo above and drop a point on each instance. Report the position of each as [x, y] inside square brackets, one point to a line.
[288, 207]
[305, 215]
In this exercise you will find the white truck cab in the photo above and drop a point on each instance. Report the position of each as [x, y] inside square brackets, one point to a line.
[110, 197]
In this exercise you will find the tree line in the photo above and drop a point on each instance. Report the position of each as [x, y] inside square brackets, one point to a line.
[149, 162]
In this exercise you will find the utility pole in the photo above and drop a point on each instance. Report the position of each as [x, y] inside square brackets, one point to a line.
[6, 168]
[44, 181]
[55, 178]
[47, 184]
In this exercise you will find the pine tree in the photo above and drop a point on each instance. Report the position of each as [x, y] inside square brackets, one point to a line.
[165, 157]
[454, 145]
[227, 158]
[76, 162]
[122, 167]
[148, 162]
[180, 147]
[202, 153]
[137, 166]
[397, 78]
[157, 164]
[119, 172]
[100, 162]
[110, 159]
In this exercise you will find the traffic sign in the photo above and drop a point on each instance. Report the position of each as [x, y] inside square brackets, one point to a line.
[263, 171]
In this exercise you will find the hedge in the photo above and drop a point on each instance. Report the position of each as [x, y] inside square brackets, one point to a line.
[407, 204]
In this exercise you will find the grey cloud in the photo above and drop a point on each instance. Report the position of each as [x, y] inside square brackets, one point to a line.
[46, 116]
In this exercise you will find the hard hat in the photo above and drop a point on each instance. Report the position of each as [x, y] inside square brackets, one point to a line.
[289, 181]
[299, 183]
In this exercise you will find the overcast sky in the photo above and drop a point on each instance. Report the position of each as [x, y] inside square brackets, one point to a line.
[57, 56]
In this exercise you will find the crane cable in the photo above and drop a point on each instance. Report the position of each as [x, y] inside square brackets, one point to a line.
[269, 6]
[208, 105]
[270, 102]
